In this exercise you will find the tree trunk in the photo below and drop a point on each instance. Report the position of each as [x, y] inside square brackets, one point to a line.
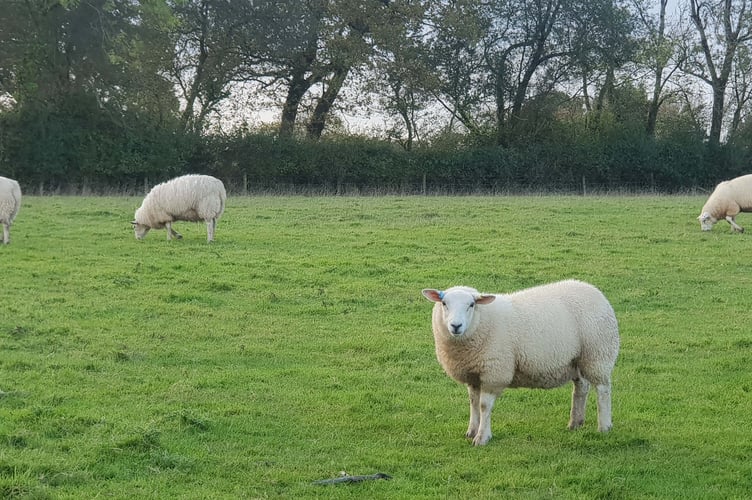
[318, 121]
[188, 120]
[404, 111]
[716, 119]
[298, 87]
[655, 101]
[500, 95]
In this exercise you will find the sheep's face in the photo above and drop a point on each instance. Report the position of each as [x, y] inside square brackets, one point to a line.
[458, 307]
[140, 230]
[706, 221]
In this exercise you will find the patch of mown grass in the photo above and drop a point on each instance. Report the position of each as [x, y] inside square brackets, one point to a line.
[298, 346]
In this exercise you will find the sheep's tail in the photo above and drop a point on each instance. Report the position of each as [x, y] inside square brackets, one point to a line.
[16, 193]
[222, 200]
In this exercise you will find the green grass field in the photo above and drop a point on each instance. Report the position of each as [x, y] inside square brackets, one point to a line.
[298, 346]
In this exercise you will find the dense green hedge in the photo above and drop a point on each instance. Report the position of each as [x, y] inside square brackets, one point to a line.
[264, 162]
[78, 146]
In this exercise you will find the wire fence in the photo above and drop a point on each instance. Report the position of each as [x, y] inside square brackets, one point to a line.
[425, 188]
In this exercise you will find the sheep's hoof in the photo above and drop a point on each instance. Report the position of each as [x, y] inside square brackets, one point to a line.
[575, 425]
[480, 442]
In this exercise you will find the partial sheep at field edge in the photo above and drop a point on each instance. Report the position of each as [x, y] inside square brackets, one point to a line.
[726, 202]
[10, 204]
[190, 198]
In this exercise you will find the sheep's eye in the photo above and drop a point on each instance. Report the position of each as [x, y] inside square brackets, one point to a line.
[443, 303]
[472, 305]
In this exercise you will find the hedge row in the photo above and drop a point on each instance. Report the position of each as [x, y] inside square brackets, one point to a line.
[77, 149]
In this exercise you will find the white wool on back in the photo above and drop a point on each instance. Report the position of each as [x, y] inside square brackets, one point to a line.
[189, 198]
[10, 200]
[730, 197]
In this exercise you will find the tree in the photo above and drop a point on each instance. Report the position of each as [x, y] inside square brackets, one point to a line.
[323, 42]
[452, 49]
[496, 55]
[522, 40]
[403, 92]
[603, 45]
[87, 82]
[741, 80]
[658, 53]
[215, 46]
[721, 26]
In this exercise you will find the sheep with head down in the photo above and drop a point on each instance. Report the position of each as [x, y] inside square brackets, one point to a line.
[541, 337]
[10, 204]
[189, 198]
[728, 200]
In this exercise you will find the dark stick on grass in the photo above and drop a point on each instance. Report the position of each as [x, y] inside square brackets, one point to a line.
[353, 479]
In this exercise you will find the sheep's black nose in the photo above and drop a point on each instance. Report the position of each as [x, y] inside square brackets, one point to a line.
[455, 327]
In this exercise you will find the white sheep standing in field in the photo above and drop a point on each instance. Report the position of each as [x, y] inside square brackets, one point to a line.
[10, 203]
[189, 198]
[541, 337]
[726, 202]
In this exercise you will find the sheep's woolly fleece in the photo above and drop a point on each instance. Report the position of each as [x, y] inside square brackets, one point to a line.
[191, 198]
[541, 337]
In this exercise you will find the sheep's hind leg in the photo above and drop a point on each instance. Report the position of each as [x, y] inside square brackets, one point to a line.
[211, 225]
[472, 427]
[6, 233]
[604, 406]
[579, 400]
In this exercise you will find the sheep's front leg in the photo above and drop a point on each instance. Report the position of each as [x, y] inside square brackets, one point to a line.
[171, 233]
[483, 435]
[211, 225]
[6, 233]
[472, 428]
[732, 220]
[604, 406]
[579, 400]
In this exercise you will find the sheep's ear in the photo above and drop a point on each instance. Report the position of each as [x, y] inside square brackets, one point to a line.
[433, 295]
[485, 299]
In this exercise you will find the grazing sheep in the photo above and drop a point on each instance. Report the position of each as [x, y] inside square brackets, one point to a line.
[10, 203]
[189, 198]
[541, 337]
[726, 202]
